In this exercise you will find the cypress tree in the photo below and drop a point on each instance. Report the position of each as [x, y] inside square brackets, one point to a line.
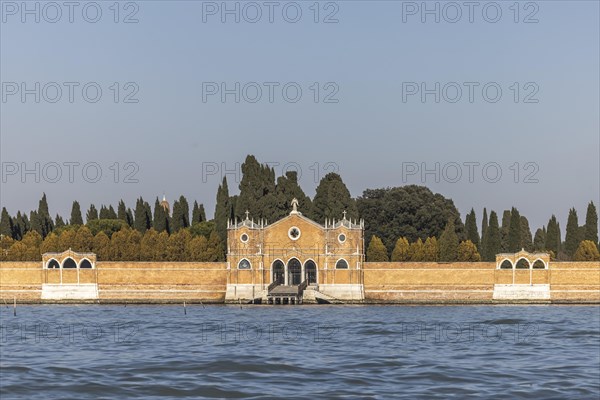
[6, 224]
[103, 214]
[591, 224]
[539, 241]
[376, 252]
[45, 220]
[181, 214]
[129, 217]
[257, 190]
[553, 236]
[493, 238]
[484, 226]
[514, 231]
[287, 188]
[91, 214]
[504, 231]
[526, 241]
[122, 211]
[222, 210]
[201, 213]
[36, 224]
[142, 220]
[448, 243]
[471, 228]
[59, 222]
[332, 198]
[572, 238]
[76, 218]
[111, 212]
[161, 218]
[195, 214]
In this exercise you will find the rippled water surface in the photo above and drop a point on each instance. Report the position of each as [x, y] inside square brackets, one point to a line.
[97, 351]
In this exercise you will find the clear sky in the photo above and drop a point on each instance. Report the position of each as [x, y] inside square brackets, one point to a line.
[376, 60]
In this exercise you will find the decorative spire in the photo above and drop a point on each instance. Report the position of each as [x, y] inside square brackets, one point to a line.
[344, 214]
[247, 215]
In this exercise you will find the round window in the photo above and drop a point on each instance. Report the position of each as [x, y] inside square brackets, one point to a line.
[294, 233]
[244, 238]
[342, 238]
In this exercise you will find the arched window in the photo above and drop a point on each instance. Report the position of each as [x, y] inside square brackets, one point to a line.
[506, 265]
[539, 264]
[278, 272]
[294, 272]
[522, 264]
[85, 264]
[244, 264]
[341, 264]
[69, 263]
[53, 264]
[310, 271]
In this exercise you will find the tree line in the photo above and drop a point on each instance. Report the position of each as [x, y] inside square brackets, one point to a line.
[408, 223]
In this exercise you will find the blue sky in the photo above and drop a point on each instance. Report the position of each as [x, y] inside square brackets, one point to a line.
[366, 61]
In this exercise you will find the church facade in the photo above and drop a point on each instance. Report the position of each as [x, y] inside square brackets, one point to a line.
[295, 255]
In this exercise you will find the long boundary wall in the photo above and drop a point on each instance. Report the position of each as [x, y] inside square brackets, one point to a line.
[435, 283]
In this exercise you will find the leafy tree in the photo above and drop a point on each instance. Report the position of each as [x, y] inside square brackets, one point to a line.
[430, 249]
[587, 251]
[101, 246]
[400, 252]
[539, 240]
[331, 199]
[410, 211]
[50, 244]
[177, 245]
[76, 218]
[125, 245]
[84, 240]
[32, 242]
[108, 226]
[92, 213]
[514, 231]
[376, 252]
[215, 251]
[471, 228]
[197, 249]
[467, 252]
[148, 245]
[67, 239]
[222, 210]
[204, 228]
[5, 244]
[493, 241]
[448, 243]
[591, 224]
[6, 224]
[416, 251]
[572, 237]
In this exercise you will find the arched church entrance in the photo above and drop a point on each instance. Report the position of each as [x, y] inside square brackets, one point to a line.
[278, 272]
[294, 272]
[310, 271]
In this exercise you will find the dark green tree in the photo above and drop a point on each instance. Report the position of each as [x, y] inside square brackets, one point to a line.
[59, 222]
[504, 231]
[161, 218]
[223, 210]
[124, 214]
[257, 190]
[572, 237]
[448, 243]
[332, 198]
[409, 211]
[76, 218]
[21, 225]
[198, 214]
[591, 224]
[539, 240]
[553, 236]
[143, 216]
[493, 239]
[181, 214]
[91, 214]
[471, 228]
[44, 219]
[287, 189]
[484, 226]
[514, 231]
[6, 224]
[526, 240]
[103, 213]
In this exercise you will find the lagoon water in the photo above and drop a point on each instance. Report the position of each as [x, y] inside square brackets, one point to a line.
[158, 351]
